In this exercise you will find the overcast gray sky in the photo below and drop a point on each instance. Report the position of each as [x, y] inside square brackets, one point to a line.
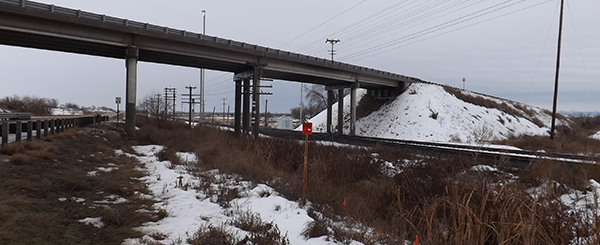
[505, 48]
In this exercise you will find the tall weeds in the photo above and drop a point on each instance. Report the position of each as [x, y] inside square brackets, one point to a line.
[442, 200]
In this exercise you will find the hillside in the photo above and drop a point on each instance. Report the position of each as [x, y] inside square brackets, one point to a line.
[428, 112]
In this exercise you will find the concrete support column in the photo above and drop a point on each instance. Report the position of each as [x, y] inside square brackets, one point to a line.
[18, 130]
[131, 87]
[246, 107]
[256, 98]
[238, 107]
[353, 109]
[329, 110]
[340, 126]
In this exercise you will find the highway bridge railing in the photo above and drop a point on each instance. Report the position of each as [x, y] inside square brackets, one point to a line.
[15, 116]
[18, 130]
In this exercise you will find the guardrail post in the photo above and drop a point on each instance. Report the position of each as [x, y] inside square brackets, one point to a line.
[52, 125]
[59, 128]
[46, 127]
[4, 133]
[18, 130]
[29, 130]
[38, 129]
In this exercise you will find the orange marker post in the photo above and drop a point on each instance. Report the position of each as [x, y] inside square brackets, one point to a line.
[306, 130]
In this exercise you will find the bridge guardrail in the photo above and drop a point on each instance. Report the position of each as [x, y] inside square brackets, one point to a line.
[15, 116]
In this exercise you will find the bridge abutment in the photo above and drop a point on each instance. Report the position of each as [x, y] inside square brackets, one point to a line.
[131, 89]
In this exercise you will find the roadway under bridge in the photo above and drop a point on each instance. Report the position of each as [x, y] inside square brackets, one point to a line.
[43, 26]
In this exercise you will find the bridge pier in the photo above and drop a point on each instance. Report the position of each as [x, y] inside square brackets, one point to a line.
[238, 107]
[246, 107]
[329, 110]
[340, 125]
[131, 87]
[353, 108]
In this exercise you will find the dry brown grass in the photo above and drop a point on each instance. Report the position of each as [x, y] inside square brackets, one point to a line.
[439, 199]
[38, 173]
[520, 111]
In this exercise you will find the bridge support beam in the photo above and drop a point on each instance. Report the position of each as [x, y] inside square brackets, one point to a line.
[329, 110]
[131, 87]
[238, 107]
[340, 125]
[353, 109]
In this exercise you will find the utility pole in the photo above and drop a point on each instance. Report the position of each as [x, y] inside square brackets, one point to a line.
[224, 104]
[202, 99]
[170, 96]
[464, 80]
[562, 3]
[333, 42]
[266, 113]
[190, 101]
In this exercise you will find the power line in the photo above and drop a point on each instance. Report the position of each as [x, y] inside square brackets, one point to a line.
[477, 14]
[323, 23]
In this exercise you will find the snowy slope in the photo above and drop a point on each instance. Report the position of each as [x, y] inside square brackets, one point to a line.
[412, 116]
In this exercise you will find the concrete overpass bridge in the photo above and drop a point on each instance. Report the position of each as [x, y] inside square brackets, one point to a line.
[36, 25]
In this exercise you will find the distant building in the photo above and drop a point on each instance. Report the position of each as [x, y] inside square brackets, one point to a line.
[284, 122]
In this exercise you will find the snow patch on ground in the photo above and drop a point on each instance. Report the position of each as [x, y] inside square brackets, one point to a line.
[595, 136]
[96, 222]
[189, 207]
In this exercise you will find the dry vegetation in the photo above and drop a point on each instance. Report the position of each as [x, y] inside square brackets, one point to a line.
[442, 200]
[46, 188]
[32, 104]
[573, 138]
[512, 108]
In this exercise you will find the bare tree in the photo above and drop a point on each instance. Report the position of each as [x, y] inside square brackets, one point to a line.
[31, 104]
[316, 97]
[152, 105]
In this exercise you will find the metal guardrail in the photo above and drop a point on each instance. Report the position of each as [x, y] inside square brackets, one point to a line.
[15, 116]
[131, 23]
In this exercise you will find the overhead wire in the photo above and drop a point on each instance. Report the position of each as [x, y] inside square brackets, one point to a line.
[411, 20]
[436, 28]
[323, 23]
[353, 26]
[541, 53]
[587, 77]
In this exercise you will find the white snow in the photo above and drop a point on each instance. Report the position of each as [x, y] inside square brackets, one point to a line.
[97, 222]
[595, 136]
[190, 208]
[411, 116]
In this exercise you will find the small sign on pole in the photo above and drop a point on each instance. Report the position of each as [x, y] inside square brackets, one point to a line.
[306, 130]
[118, 101]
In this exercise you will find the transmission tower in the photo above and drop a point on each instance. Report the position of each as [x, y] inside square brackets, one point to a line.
[333, 42]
